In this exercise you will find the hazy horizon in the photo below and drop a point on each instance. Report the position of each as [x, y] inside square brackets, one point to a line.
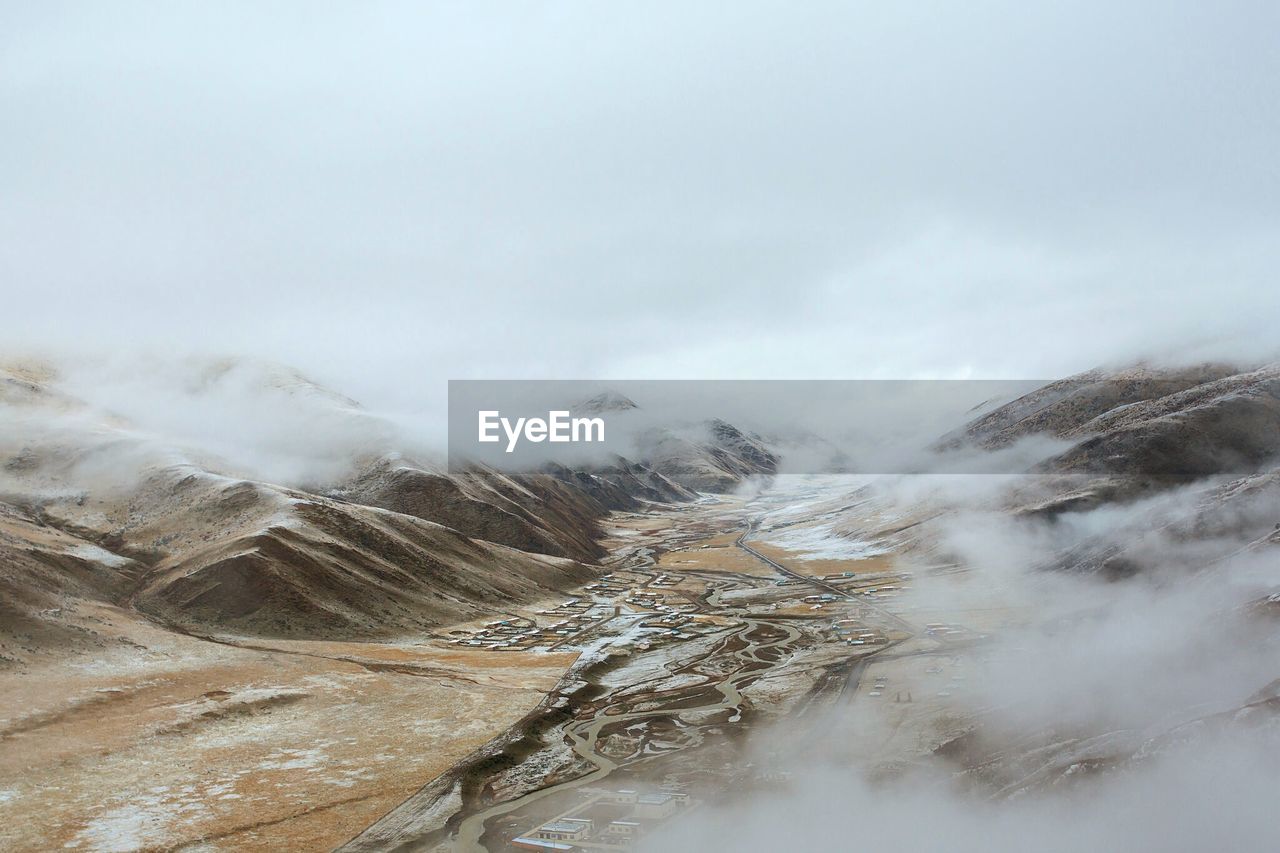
[393, 195]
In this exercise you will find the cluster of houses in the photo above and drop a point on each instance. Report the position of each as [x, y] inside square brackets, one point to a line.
[576, 614]
[608, 586]
[855, 634]
[659, 601]
[946, 631]
[669, 622]
[523, 633]
[569, 607]
[608, 820]
[816, 602]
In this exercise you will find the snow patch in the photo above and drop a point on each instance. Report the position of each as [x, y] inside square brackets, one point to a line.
[822, 542]
[127, 827]
[86, 551]
[293, 759]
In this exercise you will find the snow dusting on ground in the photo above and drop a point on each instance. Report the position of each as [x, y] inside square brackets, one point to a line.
[822, 542]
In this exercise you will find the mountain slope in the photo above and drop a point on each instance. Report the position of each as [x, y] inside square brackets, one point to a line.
[1146, 423]
[715, 457]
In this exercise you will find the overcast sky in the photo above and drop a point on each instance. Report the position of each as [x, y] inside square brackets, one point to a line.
[389, 195]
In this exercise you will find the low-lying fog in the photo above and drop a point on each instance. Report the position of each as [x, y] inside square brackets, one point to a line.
[1110, 712]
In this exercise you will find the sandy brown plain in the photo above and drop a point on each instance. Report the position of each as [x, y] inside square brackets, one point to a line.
[163, 741]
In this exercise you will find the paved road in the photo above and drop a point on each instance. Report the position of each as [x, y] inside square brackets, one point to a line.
[890, 616]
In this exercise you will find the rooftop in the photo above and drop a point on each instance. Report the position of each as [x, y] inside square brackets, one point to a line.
[541, 843]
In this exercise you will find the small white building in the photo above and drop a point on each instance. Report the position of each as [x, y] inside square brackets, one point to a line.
[660, 805]
[620, 833]
[565, 829]
[525, 843]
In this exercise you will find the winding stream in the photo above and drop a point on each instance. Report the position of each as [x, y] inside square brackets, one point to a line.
[584, 735]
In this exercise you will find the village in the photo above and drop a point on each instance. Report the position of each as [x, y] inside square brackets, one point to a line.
[668, 609]
[672, 611]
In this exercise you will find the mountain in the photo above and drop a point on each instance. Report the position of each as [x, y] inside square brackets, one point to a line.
[555, 511]
[493, 508]
[676, 461]
[1064, 408]
[1144, 423]
[712, 457]
[99, 507]
[606, 401]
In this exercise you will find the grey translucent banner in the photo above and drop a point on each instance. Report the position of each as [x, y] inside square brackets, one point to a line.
[1082, 424]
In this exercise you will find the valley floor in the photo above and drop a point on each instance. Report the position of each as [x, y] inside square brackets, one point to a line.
[718, 621]
[709, 623]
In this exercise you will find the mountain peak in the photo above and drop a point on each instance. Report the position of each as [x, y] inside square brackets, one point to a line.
[605, 401]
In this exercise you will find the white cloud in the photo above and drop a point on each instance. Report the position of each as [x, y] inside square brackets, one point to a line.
[392, 195]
